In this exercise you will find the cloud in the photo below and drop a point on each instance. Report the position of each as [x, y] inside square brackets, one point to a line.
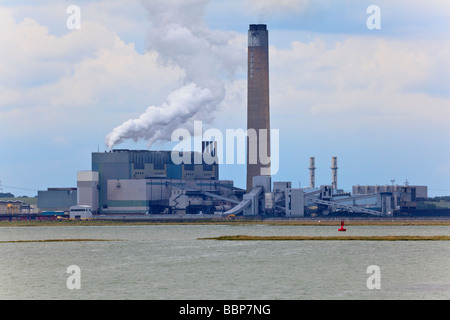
[278, 5]
[48, 80]
[371, 80]
[268, 10]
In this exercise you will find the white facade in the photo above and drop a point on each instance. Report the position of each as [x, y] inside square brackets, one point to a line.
[87, 188]
[80, 212]
[295, 203]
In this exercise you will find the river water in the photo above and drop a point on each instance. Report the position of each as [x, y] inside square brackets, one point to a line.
[170, 262]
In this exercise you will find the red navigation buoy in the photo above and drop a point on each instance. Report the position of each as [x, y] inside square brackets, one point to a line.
[342, 226]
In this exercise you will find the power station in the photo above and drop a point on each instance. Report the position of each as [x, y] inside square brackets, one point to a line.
[148, 182]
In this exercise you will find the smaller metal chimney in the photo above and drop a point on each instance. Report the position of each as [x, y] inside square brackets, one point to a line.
[334, 168]
[312, 175]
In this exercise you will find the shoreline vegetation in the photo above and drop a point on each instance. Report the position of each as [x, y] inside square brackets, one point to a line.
[329, 238]
[237, 222]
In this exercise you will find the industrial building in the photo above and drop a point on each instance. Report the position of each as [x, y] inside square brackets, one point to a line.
[142, 181]
[13, 207]
[404, 197]
[416, 191]
[285, 201]
[80, 212]
[57, 199]
[148, 182]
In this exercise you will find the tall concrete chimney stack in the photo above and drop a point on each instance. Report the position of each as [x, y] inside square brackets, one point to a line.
[258, 110]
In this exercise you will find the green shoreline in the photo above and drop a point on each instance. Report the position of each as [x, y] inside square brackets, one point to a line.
[329, 238]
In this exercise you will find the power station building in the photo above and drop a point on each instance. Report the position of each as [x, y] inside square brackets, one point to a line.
[404, 197]
[57, 199]
[142, 181]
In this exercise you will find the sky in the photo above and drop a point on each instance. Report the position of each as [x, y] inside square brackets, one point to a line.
[135, 71]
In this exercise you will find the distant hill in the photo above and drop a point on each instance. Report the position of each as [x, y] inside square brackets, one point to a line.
[25, 200]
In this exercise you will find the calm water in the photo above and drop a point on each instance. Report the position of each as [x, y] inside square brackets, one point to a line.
[169, 262]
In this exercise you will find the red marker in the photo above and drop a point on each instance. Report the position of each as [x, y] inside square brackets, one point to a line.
[342, 226]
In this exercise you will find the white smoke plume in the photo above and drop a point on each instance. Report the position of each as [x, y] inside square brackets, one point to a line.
[207, 57]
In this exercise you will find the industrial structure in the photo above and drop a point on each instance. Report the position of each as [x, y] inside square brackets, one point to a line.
[80, 212]
[285, 201]
[57, 199]
[150, 182]
[405, 197]
[13, 207]
[135, 182]
[258, 109]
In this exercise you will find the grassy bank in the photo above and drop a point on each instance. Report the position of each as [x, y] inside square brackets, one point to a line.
[330, 238]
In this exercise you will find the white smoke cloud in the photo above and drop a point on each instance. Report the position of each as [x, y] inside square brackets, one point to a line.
[159, 121]
[208, 58]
